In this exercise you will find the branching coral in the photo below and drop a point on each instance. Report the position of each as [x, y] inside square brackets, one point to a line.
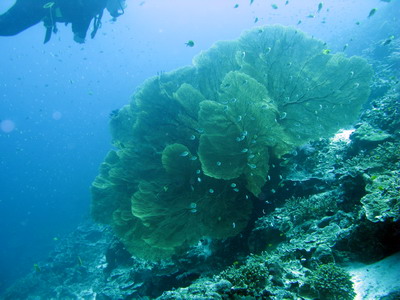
[332, 282]
[194, 144]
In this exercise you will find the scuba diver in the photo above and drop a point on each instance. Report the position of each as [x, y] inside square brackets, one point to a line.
[80, 13]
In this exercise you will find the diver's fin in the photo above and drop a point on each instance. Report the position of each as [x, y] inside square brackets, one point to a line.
[96, 24]
[48, 35]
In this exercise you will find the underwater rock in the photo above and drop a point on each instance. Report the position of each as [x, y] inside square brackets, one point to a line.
[204, 289]
[383, 199]
[365, 136]
[91, 263]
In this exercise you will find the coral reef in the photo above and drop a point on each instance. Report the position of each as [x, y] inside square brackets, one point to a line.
[314, 217]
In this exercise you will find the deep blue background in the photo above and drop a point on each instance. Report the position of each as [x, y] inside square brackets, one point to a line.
[59, 96]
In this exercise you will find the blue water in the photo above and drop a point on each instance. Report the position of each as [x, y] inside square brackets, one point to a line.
[55, 99]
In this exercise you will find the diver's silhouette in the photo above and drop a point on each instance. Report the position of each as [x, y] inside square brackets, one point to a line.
[80, 13]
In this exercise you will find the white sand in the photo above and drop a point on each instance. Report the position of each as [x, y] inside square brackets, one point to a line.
[376, 280]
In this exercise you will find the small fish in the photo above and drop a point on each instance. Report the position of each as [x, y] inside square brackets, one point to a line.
[299, 22]
[326, 51]
[189, 43]
[251, 2]
[274, 6]
[311, 16]
[345, 47]
[236, 5]
[36, 267]
[256, 20]
[388, 41]
[80, 262]
[320, 5]
[48, 5]
[287, 2]
[372, 12]
[184, 153]
[114, 113]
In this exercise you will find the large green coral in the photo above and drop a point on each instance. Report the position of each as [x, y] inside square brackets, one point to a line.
[193, 146]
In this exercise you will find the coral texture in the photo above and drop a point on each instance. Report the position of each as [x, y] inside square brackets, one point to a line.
[194, 145]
